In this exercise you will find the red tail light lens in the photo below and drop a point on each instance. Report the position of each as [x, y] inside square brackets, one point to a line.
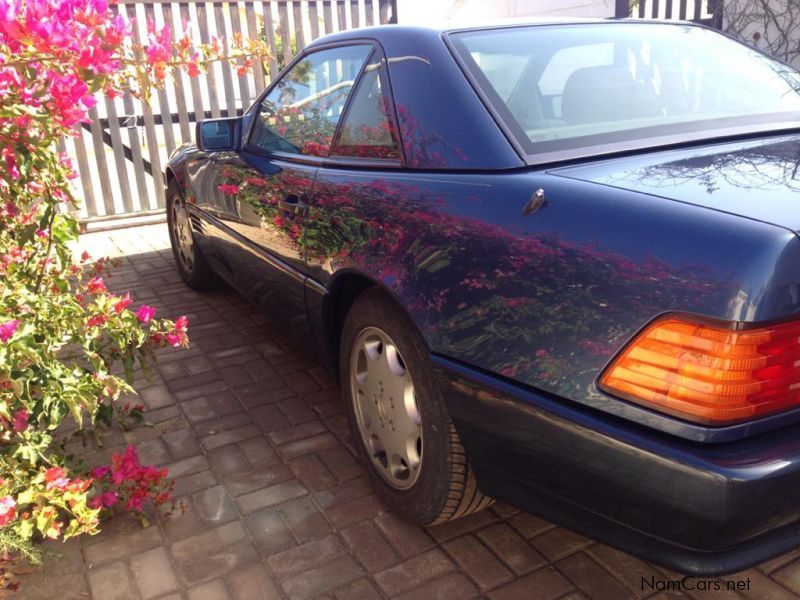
[707, 373]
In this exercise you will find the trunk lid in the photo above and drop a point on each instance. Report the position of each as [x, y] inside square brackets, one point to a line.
[757, 179]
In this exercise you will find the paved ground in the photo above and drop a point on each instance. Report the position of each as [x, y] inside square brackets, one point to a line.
[255, 435]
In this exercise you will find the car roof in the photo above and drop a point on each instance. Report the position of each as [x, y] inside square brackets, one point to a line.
[379, 32]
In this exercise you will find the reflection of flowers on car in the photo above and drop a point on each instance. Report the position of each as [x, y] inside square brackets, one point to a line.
[304, 126]
[408, 238]
[370, 141]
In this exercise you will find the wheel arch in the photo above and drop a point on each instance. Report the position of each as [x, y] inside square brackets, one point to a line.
[176, 170]
[169, 176]
[447, 489]
[345, 288]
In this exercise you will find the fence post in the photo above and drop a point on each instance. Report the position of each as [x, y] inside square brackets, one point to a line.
[717, 10]
[622, 9]
[219, 91]
[388, 11]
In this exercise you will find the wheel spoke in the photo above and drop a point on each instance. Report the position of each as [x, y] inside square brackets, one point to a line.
[369, 410]
[407, 415]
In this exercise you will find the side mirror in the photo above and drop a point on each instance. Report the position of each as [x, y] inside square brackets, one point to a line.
[214, 135]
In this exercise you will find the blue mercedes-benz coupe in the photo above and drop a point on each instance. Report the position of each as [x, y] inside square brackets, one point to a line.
[555, 264]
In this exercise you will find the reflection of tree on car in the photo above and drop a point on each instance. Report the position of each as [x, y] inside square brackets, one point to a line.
[760, 167]
[300, 119]
[301, 126]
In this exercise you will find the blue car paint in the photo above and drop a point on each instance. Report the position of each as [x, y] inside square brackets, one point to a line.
[523, 312]
[758, 179]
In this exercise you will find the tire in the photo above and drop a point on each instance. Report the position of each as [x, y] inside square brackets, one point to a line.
[398, 417]
[192, 265]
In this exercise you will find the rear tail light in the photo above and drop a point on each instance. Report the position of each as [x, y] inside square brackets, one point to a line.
[711, 374]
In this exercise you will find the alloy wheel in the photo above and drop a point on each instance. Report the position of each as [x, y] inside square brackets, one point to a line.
[386, 410]
[182, 233]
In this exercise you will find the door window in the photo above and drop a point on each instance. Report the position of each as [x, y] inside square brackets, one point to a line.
[299, 115]
[367, 130]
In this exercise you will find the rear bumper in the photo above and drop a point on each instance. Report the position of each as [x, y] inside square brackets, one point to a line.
[701, 509]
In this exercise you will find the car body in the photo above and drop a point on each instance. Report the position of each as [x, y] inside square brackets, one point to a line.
[527, 269]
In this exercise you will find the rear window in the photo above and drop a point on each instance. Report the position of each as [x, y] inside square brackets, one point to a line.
[573, 90]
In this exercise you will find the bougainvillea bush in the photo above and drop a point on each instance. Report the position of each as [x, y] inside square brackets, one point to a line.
[63, 334]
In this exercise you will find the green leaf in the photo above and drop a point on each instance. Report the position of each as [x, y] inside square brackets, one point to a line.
[26, 497]
[25, 529]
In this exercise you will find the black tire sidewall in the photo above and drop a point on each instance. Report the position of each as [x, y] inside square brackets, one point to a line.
[201, 277]
[424, 501]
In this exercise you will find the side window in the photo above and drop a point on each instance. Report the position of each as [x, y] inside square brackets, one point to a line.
[300, 114]
[368, 130]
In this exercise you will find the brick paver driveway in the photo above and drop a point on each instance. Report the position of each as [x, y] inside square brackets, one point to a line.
[277, 506]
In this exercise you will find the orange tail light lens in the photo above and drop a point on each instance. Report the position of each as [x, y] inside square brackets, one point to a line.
[709, 374]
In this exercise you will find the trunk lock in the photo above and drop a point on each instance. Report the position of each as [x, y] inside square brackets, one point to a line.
[535, 203]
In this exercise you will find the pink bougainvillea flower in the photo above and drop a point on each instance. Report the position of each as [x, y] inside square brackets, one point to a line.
[175, 339]
[100, 472]
[122, 303]
[227, 188]
[145, 313]
[11, 210]
[509, 371]
[159, 48]
[78, 485]
[8, 510]
[96, 321]
[8, 329]
[65, 162]
[96, 285]
[132, 482]
[192, 69]
[11, 163]
[117, 30]
[104, 500]
[56, 478]
[70, 97]
[181, 323]
[21, 420]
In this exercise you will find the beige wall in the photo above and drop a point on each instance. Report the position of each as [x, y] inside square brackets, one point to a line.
[434, 12]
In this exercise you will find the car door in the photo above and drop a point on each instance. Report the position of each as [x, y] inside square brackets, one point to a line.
[350, 190]
[261, 192]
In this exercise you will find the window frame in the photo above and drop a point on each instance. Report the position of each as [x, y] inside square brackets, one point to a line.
[329, 160]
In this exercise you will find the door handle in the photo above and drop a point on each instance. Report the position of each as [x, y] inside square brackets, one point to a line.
[293, 205]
